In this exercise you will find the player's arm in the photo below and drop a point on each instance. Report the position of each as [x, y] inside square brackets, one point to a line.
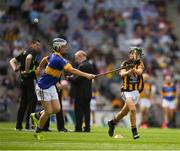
[28, 62]
[75, 78]
[139, 70]
[13, 63]
[43, 63]
[72, 70]
[124, 72]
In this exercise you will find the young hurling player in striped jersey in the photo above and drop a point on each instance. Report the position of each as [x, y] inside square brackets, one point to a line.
[132, 86]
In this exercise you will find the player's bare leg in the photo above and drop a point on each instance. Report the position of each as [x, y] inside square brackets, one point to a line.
[55, 106]
[43, 118]
[122, 113]
[50, 107]
[144, 118]
[132, 110]
[164, 124]
[171, 112]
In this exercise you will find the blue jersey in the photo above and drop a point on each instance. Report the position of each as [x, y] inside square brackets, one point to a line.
[53, 70]
[169, 92]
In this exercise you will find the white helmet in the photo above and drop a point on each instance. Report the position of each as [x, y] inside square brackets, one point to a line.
[58, 42]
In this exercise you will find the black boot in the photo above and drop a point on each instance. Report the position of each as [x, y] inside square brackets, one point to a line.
[135, 133]
[111, 125]
[86, 129]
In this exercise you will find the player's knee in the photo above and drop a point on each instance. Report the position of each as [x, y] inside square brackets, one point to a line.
[132, 110]
[132, 107]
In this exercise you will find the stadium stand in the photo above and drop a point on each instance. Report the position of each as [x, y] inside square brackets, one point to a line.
[105, 29]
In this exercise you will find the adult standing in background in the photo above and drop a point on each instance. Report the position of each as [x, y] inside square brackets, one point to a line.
[83, 92]
[26, 63]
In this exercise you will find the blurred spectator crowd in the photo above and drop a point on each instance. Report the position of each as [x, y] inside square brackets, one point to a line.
[103, 28]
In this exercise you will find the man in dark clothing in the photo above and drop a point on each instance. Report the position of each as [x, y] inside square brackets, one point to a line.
[26, 63]
[60, 116]
[83, 92]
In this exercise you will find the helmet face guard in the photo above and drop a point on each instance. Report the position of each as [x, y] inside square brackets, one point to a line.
[58, 43]
[136, 52]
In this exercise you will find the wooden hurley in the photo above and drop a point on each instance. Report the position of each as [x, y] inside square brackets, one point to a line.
[115, 70]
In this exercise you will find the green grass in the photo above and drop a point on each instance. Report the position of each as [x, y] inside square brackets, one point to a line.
[151, 139]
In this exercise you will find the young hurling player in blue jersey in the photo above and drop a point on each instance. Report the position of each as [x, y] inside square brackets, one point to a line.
[45, 88]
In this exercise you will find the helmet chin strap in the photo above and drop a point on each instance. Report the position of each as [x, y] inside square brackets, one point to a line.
[57, 49]
[136, 56]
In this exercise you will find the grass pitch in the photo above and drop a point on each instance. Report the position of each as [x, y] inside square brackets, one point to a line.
[98, 139]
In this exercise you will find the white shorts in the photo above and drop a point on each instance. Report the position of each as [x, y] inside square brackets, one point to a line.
[46, 94]
[93, 104]
[66, 105]
[145, 103]
[131, 94]
[169, 104]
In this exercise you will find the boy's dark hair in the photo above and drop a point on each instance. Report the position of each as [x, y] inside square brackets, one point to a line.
[33, 41]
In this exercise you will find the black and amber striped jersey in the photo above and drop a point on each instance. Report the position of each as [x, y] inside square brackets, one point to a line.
[134, 81]
[146, 93]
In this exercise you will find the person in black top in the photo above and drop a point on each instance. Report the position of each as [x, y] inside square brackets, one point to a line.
[26, 63]
[83, 92]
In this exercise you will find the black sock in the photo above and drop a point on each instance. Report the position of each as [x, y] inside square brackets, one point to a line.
[38, 130]
[113, 122]
[134, 130]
